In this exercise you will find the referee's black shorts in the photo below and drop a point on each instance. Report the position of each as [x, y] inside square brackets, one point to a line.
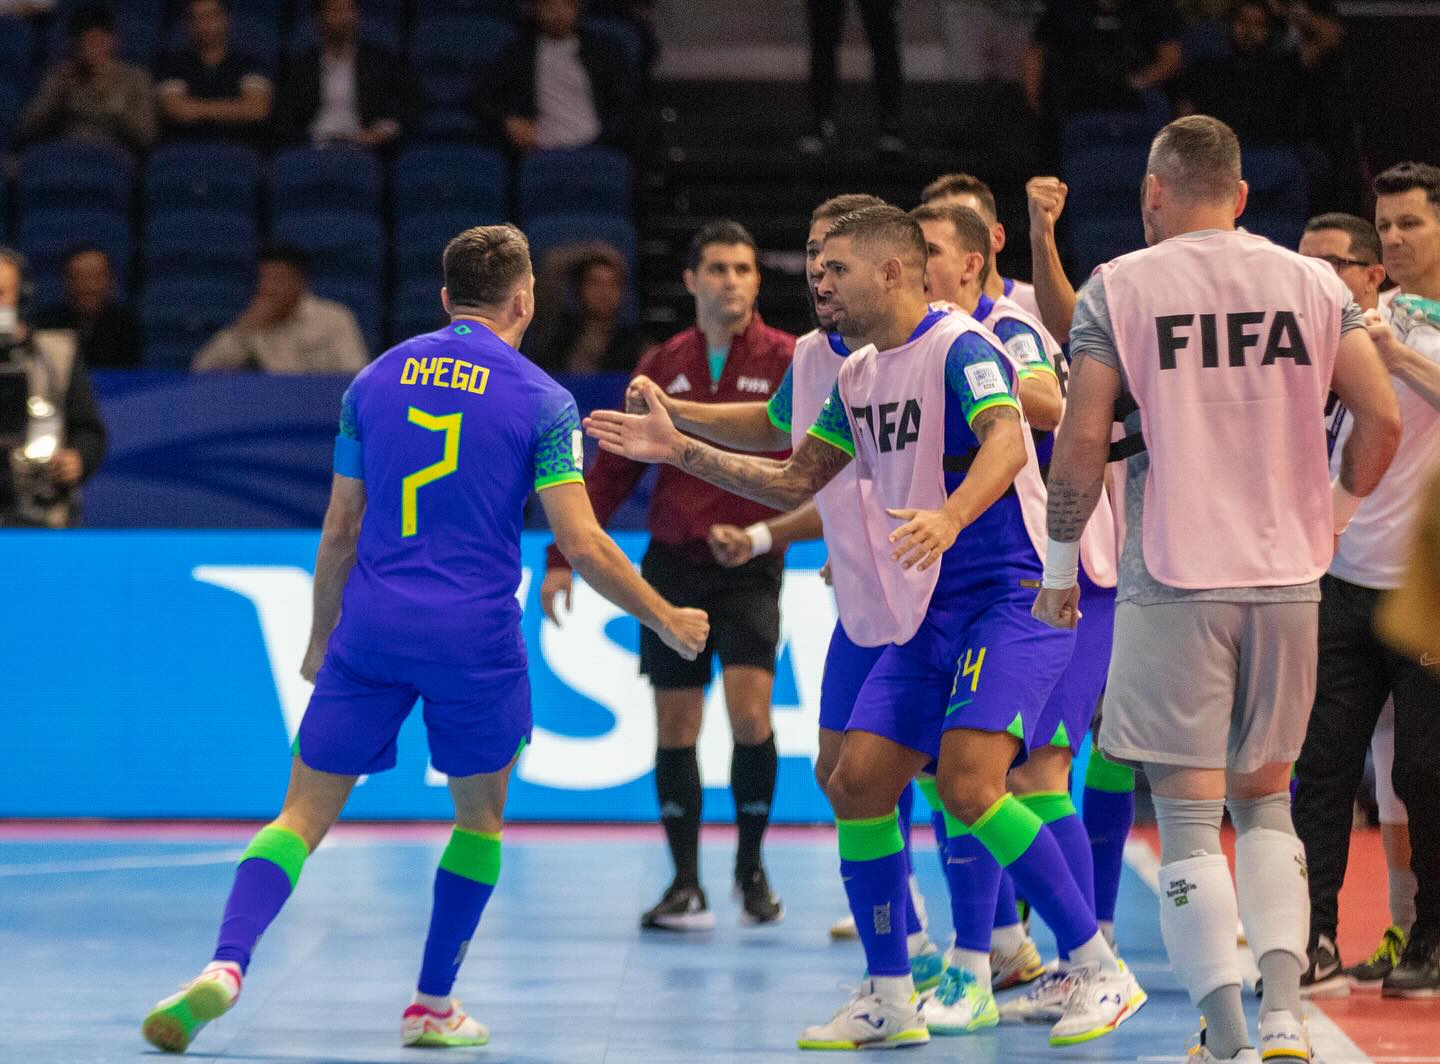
[744, 608]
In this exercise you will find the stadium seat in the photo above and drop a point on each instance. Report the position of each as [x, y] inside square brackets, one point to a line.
[1100, 173]
[576, 180]
[202, 176]
[345, 245]
[449, 54]
[181, 313]
[1277, 179]
[9, 116]
[415, 308]
[362, 299]
[252, 33]
[420, 240]
[48, 236]
[1099, 238]
[450, 177]
[622, 34]
[17, 44]
[1092, 128]
[201, 243]
[312, 179]
[74, 175]
[557, 230]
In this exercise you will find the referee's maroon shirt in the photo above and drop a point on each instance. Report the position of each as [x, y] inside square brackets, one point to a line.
[683, 508]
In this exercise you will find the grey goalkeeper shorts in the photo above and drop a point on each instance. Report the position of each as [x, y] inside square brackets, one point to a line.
[1222, 685]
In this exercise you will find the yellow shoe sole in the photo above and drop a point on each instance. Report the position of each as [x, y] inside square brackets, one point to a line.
[902, 1040]
[1131, 1007]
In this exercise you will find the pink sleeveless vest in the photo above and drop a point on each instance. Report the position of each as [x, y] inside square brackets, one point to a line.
[813, 372]
[1228, 343]
[899, 464]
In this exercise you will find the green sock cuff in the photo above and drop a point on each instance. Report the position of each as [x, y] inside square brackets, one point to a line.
[1007, 829]
[954, 827]
[1049, 806]
[280, 846]
[1102, 774]
[869, 840]
[930, 792]
[474, 855]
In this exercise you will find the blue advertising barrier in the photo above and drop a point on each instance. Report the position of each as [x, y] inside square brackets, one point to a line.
[156, 674]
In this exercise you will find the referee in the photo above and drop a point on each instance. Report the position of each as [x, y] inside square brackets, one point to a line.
[728, 355]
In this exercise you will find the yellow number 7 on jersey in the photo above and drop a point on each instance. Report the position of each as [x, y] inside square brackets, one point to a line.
[411, 485]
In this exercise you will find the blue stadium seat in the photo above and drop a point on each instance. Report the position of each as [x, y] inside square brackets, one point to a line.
[1095, 239]
[181, 313]
[347, 245]
[1093, 128]
[415, 308]
[450, 53]
[576, 180]
[362, 299]
[450, 177]
[252, 33]
[1101, 175]
[622, 34]
[73, 175]
[1277, 179]
[557, 230]
[201, 243]
[420, 240]
[47, 236]
[17, 44]
[312, 179]
[9, 116]
[202, 176]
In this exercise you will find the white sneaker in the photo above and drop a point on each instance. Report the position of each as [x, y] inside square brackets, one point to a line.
[1017, 968]
[423, 1026]
[960, 1005]
[868, 1021]
[1201, 1055]
[1044, 1002]
[844, 928]
[1284, 1036]
[1099, 1001]
[173, 1023]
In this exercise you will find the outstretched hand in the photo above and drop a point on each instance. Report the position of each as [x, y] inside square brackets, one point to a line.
[650, 437]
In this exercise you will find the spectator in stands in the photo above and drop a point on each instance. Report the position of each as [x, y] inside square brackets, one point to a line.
[26, 8]
[107, 333]
[1101, 55]
[561, 85]
[89, 93]
[587, 336]
[286, 329]
[345, 89]
[639, 15]
[1312, 29]
[208, 91]
[1255, 87]
[826, 23]
[985, 39]
[51, 434]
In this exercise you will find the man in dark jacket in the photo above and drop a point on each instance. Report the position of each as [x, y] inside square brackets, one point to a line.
[561, 85]
[344, 89]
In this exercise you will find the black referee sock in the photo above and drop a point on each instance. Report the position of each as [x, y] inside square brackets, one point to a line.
[677, 785]
[752, 782]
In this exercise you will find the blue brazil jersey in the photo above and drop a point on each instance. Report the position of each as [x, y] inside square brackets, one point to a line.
[451, 432]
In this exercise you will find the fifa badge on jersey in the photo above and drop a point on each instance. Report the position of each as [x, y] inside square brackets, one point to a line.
[985, 379]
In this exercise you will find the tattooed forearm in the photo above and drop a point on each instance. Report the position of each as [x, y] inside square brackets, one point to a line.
[783, 485]
[1072, 501]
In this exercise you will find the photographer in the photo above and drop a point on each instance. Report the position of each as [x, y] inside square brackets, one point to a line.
[51, 434]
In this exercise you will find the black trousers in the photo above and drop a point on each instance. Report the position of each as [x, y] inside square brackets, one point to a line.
[1357, 673]
[827, 24]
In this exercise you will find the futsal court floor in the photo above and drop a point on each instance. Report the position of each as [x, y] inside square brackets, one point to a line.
[99, 921]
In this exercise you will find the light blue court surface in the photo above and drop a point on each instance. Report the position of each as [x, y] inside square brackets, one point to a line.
[94, 930]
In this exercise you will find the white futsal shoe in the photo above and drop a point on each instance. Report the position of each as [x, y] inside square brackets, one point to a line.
[423, 1026]
[1098, 1002]
[1284, 1036]
[868, 1021]
[1201, 1055]
[1017, 968]
[1043, 1002]
[173, 1023]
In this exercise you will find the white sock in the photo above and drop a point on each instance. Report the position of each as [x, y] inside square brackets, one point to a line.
[1197, 921]
[970, 960]
[893, 989]
[433, 1002]
[1107, 928]
[1097, 952]
[1008, 939]
[916, 942]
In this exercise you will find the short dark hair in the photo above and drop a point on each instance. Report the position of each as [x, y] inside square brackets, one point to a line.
[1364, 241]
[89, 17]
[724, 231]
[1402, 177]
[961, 185]
[224, 5]
[1198, 157]
[970, 228]
[887, 228]
[482, 265]
[288, 254]
[844, 203]
[76, 250]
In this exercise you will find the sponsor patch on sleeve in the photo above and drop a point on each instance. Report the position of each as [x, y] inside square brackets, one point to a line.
[985, 379]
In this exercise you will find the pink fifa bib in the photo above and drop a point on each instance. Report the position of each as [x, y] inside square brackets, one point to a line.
[1098, 550]
[1228, 343]
[813, 372]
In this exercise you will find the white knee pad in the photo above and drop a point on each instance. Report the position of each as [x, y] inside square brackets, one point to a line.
[1274, 897]
[1197, 921]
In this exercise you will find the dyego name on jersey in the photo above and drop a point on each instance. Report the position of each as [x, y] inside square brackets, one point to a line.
[453, 373]
[1282, 340]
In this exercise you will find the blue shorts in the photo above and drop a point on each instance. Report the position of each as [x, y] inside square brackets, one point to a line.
[846, 666]
[477, 716]
[978, 661]
[1066, 718]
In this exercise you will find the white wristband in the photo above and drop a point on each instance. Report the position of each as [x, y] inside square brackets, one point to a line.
[1062, 564]
[1343, 504]
[760, 538]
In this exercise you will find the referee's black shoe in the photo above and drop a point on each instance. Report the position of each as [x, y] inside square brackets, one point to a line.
[758, 903]
[683, 908]
[1418, 973]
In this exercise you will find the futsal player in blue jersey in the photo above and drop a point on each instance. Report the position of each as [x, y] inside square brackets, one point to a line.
[442, 439]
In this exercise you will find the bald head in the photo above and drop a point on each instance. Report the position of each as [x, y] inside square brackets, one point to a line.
[1197, 159]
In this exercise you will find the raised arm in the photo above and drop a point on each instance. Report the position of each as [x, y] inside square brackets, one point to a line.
[1420, 373]
[1053, 290]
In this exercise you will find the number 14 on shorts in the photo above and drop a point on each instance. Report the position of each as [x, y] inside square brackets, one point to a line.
[967, 678]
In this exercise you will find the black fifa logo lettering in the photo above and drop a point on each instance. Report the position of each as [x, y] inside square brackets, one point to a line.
[893, 426]
[1243, 331]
